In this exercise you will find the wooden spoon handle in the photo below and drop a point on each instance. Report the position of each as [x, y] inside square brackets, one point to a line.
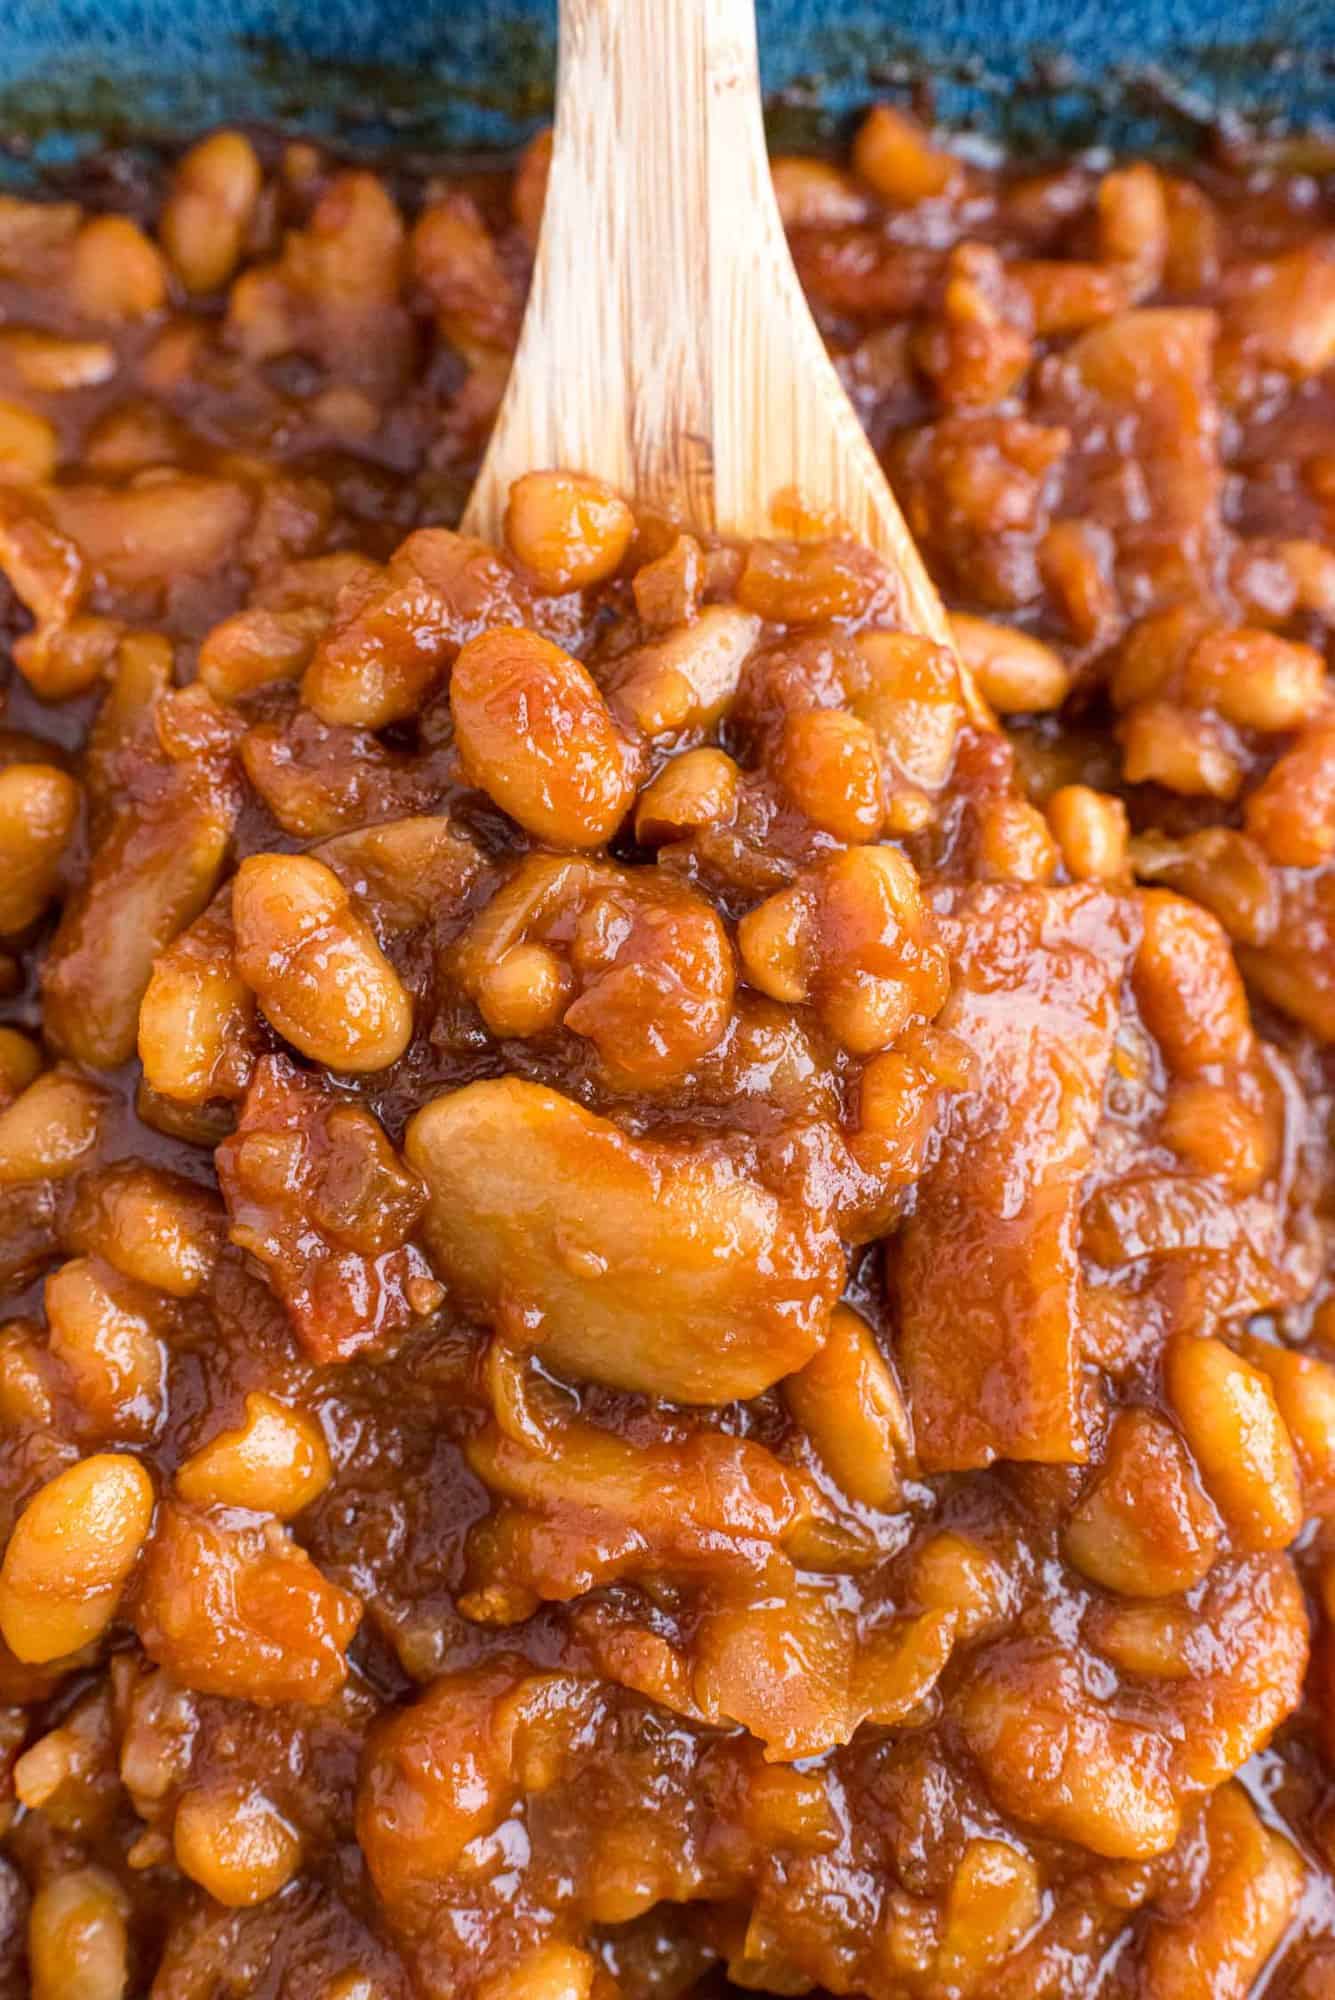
[657, 102]
[667, 345]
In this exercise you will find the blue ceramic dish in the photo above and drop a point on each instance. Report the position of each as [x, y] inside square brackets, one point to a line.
[1045, 74]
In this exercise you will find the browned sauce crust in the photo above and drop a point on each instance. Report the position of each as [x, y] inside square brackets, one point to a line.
[666, 1309]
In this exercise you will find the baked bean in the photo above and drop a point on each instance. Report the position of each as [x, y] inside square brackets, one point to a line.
[1195, 237]
[1016, 673]
[848, 1403]
[78, 1939]
[39, 806]
[975, 354]
[1291, 813]
[525, 991]
[393, 631]
[241, 1611]
[254, 648]
[894, 155]
[1152, 658]
[536, 734]
[210, 208]
[1254, 1878]
[908, 691]
[314, 965]
[20, 1061]
[746, 1297]
[1014, 844]
[66, 659]
[814, 193]
[697, 789]
[133, 436]
[1143, 1528]
[953, 1573]
[1255, 679]
[642, 969]
[162, 523]
[58, 660]
[549, 1972]
[233, 1841]
[1075, 558]
[1304, 1391]
[805, 583]
[26, 1385]
[140, 669]
[457, 264]
[29, 446]
[70, 1555]
[1133, 225]
[1091, 830]
[117, 273]
[1284, 315]
[830, 767]
[190, 728]
[1209, 1125]
[688, 678]
[1066, 296]
[1220, 868]
[105, 1339]
[908, 811]
[1055, 1758]
[1228, 1707]
[152, 1226]
[1188, 986]
[853, 938]
[333, 291]
[1153, 1639]
[773, 943]
[568, 529]
[1231, 1421]
[406, 867]
[995, 1897]
[53, 364]
[1180, 750]
[147, 879]
[748, 1649]
[65, 1773]
[898, 1099]
[667, 588]
[196, 1018]
[50, 1127]
[276, 1462]
[1311, 568]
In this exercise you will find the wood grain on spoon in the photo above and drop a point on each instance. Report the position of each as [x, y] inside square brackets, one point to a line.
[667, 345]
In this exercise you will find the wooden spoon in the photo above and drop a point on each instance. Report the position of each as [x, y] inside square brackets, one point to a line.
[667, 346]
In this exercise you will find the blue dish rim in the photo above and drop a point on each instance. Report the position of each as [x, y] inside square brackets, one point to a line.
[1044, 77]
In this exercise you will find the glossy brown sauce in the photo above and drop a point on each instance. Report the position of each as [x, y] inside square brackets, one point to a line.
[668, 1312]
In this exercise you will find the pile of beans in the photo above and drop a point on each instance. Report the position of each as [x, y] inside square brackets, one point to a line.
[668, 1291]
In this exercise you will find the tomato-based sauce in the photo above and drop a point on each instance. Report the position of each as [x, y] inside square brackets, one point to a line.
[668, 1307]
